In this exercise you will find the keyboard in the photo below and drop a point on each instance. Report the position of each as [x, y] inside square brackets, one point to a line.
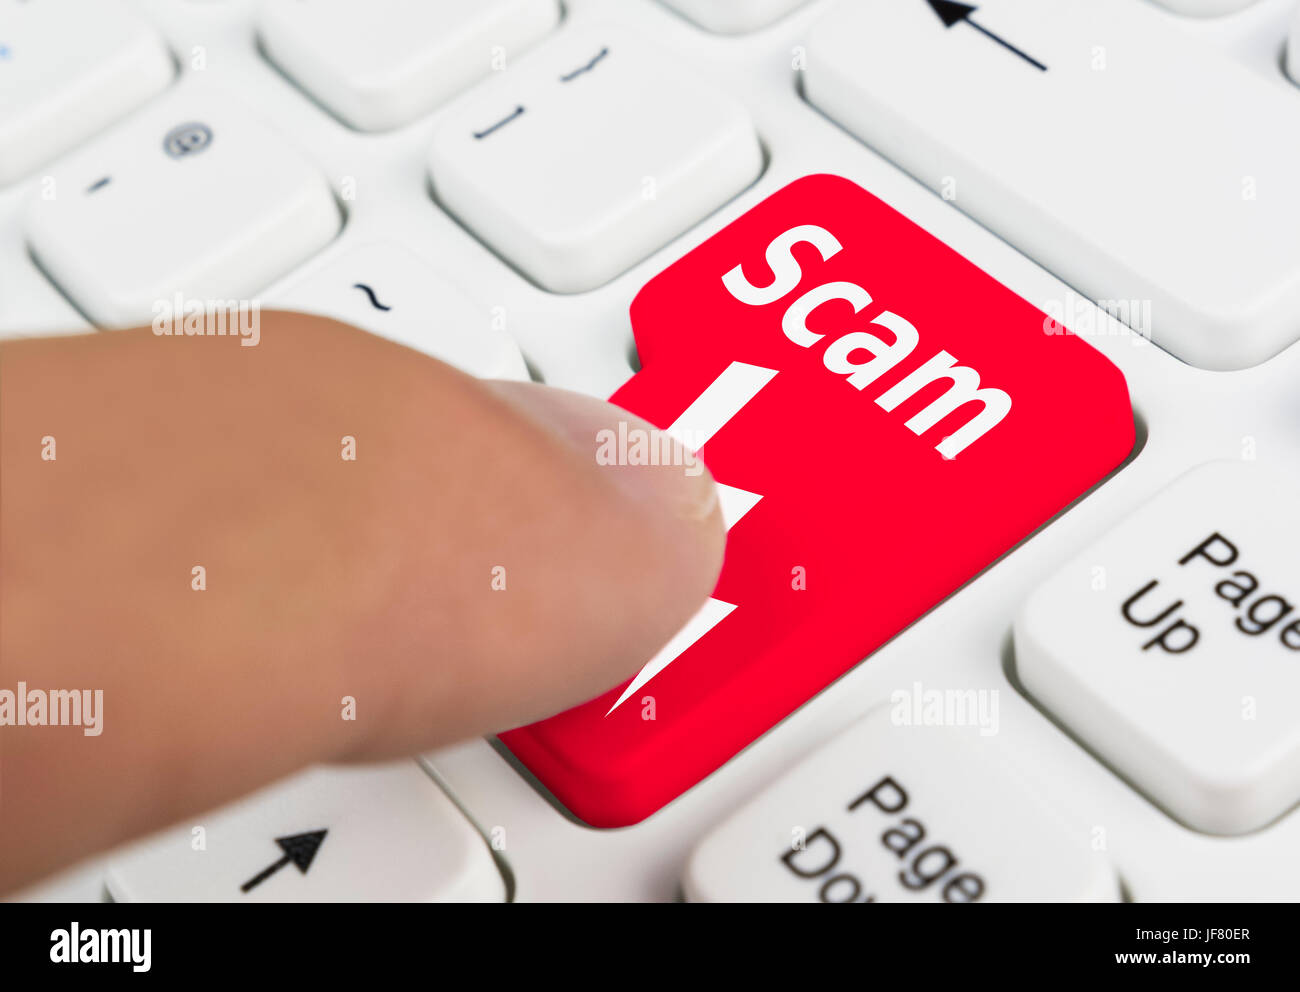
[1031, 636]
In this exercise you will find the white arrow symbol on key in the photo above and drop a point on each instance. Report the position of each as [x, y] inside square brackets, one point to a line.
[722, 400]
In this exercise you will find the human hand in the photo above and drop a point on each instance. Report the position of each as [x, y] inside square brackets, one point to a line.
[323, 577]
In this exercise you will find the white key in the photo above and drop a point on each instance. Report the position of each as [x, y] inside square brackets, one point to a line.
[1171, 201]
[67, 69]
[589, 155]
[1171, 647]
[1205, 8]
[384, 63]
[1293, 49]
[191, 196]
[894, 813]
[382, 833]
[388, 290]
[734, 16]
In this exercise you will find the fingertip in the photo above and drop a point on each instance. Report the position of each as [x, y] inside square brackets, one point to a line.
[606, 536]
[645, 463]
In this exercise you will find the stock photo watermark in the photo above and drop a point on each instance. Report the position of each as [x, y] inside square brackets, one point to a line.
[1087, 318]
[183, 316]
[75, 945]
[629, 445]
[25, 707]
[922, 707]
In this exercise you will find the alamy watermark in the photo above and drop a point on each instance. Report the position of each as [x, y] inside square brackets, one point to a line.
[53, 708]
[638, 446]
[74, 945]
[184, 317]
[922, 707]
[1099, 318]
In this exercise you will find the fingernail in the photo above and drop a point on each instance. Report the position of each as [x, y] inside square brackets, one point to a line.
[639, 458]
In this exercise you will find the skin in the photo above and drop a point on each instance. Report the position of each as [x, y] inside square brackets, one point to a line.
[325, 577]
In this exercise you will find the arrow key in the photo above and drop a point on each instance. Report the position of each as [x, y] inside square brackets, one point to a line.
[377, 834]
[985, 102]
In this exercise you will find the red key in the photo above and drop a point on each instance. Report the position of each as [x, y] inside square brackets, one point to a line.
[891, 418]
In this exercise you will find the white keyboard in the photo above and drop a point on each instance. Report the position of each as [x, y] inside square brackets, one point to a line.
[1107, 712]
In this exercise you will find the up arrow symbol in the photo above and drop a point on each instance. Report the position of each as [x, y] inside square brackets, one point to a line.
[298, 848]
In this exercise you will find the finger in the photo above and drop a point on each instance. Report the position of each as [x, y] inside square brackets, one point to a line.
[232, 542]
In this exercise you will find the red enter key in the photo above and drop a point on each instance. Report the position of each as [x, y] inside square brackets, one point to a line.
[886, 420]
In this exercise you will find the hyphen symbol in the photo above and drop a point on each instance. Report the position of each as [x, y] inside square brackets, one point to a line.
[585, 68]
[517, 112]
